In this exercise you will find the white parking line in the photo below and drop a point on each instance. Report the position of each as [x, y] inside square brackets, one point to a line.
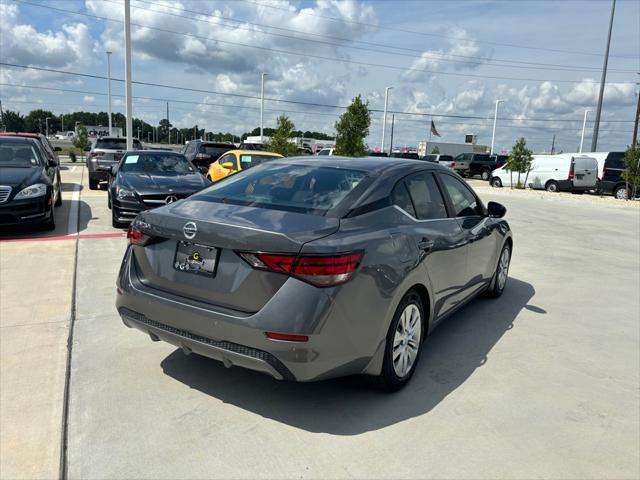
[74, 208]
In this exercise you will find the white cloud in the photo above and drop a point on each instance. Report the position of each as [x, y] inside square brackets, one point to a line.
[89, 99]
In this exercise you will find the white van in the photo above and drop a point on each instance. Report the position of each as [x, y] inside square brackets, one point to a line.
[563, 172]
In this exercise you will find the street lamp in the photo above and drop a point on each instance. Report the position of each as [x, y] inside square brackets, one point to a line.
[495, 118]
[262, 108]
[109, 88]
[584, 124]
[384, 117]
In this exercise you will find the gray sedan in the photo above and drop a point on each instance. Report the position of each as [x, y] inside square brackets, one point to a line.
[310, 270]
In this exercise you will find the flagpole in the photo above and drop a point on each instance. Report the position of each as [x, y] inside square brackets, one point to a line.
[430, 129]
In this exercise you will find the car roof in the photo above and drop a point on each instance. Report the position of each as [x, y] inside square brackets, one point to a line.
[144, 152]
[21, 135]
[116, 138]
[253, 152]
[19, 138]
[367, 164]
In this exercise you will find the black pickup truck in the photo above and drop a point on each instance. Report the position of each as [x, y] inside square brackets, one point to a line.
[480, 164]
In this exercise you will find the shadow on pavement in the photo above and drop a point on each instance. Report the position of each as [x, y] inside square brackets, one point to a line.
[350, 406]
[35, 231]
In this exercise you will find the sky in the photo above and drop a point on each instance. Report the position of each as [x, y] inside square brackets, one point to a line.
[446, 61]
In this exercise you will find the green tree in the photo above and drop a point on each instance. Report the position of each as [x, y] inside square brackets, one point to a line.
[280, 139]
[35, 120]
[164, 127]
[435, 150]
[631, 173]
[520, 161]
[352, 128]
[81, 140]
[12, 122]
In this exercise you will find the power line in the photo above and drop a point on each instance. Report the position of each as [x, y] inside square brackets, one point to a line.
[442, 57]
[414, 32]
[333, 115]
[309, 55]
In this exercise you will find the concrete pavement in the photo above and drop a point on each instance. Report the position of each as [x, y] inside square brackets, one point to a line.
[541, 383]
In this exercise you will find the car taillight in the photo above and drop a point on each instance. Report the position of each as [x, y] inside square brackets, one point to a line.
[287, 337]
[571, 172]
[453, 164]
[319, 270]
[137, 237]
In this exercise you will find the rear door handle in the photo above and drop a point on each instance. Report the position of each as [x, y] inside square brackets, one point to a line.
[425, 244]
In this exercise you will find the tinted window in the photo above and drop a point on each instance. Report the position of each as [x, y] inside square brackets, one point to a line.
[400, 197]
[18, 154]
[295, 188]
[116, 144]
[214, 150]
[156, 164]
[323, 152]
[464, 202]
[426, 197]
[231, 158]
[430, 158]
[481, 158]
[248, 161]
[615, 160]
[446, 158]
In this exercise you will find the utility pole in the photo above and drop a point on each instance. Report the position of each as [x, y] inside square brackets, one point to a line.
[553, 144]
[495, 119]
[127, 72]
[109, 88]
[584, 125]
[596, 126]
[195, 132]
[61, 120]
[635, 126]
[393, 121]
[169, 126]
[262, 109]
[384, 117]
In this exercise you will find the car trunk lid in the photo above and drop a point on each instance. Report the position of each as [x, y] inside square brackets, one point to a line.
[229, 229]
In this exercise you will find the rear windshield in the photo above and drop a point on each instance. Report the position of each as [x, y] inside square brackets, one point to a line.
[615, 160]
[294, 188]
[430, 158]
[116, 144]
[18, 154]
[248, 161]
[157, 164]
[215, 150]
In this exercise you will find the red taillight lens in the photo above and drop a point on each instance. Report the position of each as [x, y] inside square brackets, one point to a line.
[319, 270]
[571, 172]
[288, 337]
[453, 164]
[137, 237]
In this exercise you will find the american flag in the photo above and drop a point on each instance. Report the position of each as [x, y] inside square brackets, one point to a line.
[433, 129]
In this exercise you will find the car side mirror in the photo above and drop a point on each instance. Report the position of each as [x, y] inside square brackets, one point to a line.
[227, 165]
[52, 163]
[496, 210]
[113, 170]
[57, 149]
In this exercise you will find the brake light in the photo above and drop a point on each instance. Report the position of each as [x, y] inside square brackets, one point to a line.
[319, 270]
[453, 164]
[137, 237]
[571, 172]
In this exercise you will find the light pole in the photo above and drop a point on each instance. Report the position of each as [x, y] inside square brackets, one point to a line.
[596, 125]
[109, 89]
[127, 72]
[495, 119]
[584, 125]
[384, 117]
[262, 109]
[46, 123]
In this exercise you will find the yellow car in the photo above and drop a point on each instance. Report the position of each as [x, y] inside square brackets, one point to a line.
[237, 160]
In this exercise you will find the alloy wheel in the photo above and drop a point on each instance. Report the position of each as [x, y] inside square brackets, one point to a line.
[503, 268]
[621, 193]
[406, 341]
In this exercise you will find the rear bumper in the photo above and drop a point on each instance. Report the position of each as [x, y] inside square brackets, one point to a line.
[336, 345]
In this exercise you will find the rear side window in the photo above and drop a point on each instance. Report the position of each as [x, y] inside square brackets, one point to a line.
[400, 197]
[248, 161]
[214, 150]
[294, 188]
[615, 160]
[425, 195]
[446, 158]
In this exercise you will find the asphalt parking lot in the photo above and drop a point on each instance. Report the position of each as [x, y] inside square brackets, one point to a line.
[541, 383]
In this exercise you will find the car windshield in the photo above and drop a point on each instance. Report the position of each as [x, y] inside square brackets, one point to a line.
[248, 161]
[116, 144]
[294, 188]
[156, 164]
[18, 154]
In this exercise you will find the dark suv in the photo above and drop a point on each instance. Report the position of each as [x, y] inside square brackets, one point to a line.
[611, 181]
[106, 153]
[481, 164]
[202, 154]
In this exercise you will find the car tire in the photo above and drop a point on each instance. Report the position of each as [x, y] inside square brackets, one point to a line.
[501, 275]
[621, 193]
[50, 223]
[114, 220]
[485, 174]
[59, 197]
[551, 186]
[109, 200]
[93, 184]
[496, 182]
[404, 343]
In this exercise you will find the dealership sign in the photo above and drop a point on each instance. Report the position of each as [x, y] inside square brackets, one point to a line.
[97, 132]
